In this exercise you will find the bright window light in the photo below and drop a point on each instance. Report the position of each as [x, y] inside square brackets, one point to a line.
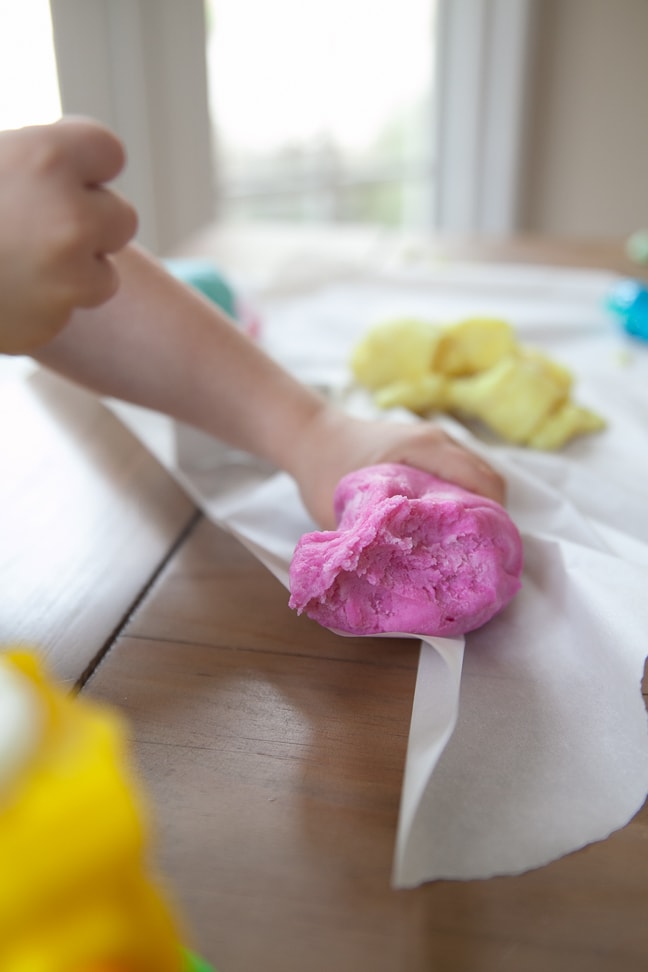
[29, 92]
[322, 110]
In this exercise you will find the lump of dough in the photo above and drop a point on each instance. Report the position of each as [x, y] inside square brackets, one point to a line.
[401, 350]
[525, 399]
[473, 345]
[513, 398]
[473, 369]
[412, 553]
[419, 395]
[562, 425]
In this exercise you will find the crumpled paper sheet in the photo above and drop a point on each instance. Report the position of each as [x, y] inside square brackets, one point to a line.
[533, 741]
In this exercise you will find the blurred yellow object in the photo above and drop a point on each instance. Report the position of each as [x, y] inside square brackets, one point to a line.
[562, 425]
[473, 345]
[402, 350]
[75, 894]
[474, 369]
[418, 394]
[513, 397]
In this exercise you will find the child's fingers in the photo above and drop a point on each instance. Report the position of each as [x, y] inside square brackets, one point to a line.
[436, 452]
[95, 153]
[470, 471]
[100, 282]
[114, 218]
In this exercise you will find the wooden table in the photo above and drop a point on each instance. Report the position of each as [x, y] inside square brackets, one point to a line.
[273, 753]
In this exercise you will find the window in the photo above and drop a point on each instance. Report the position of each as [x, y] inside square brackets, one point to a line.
[403, 113]
[29, 93]
[323, 111]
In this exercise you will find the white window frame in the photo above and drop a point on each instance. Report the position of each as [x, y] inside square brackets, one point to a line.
[484, 68]
[140, 66]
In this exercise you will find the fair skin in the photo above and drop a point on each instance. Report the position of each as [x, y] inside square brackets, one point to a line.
[159, 344]
[59, 225]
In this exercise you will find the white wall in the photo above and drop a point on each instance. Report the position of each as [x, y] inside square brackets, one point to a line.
[586, 168]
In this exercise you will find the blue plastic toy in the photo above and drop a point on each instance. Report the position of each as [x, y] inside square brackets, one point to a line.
[629, 302]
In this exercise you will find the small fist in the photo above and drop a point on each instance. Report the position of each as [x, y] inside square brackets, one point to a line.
[59, 224]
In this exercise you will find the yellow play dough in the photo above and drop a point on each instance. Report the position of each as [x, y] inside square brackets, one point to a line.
[475, 369]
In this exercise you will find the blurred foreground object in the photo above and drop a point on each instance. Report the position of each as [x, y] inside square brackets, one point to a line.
[75, 890]
[473, 369]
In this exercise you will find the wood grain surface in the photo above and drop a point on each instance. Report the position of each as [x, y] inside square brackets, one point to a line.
[87, 517]
[273, 753]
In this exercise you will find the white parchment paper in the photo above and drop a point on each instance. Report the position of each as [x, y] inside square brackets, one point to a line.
[531, 741]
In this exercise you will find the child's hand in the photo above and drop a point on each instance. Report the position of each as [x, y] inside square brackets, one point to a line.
[334, 444]
[58, 225]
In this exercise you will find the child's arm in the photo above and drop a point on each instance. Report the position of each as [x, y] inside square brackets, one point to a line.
[161, 345]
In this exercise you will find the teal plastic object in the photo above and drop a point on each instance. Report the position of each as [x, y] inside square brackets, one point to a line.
[207, 278]
[629, 302]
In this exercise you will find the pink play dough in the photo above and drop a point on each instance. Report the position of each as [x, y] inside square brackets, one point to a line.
[412, 553]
